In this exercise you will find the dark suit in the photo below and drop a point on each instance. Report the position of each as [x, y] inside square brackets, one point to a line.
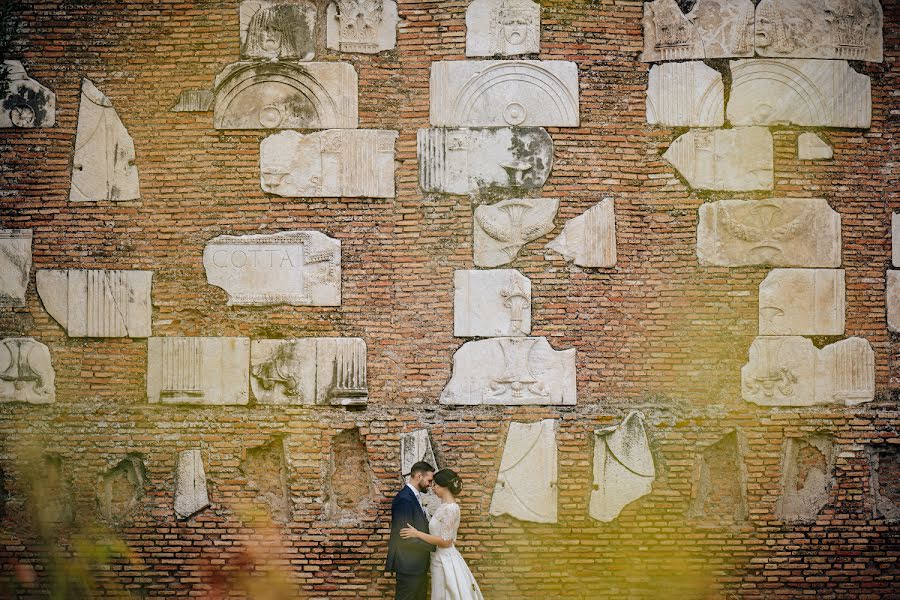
[409, 558]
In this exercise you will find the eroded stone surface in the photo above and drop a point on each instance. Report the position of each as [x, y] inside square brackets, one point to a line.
[198, 370]
[194, 101]
[847, 369]
[121, 488]
[712, 29]
[590, 238]
[15, 265]
[336, 163]
[511, 371]
[491, 303]
[526, 484]
[811, 147]
[291, 267]
[826, 93]
[895, 239]
[802, 302]
[97, 303]
[623, 467]
[884, 462]
[466, 161]
[278, 30]
[686, 94]
[497, 93]
[806, 477]
[782, 232]
[720, 481]
[190, 484]
[27, 103]
[416, 446]
[363, 26]
[26, 373]
[739, 159]
[103, 167]
[351, 487]
[265, 468]
[892, 298]
[503, 27]
[501, 229]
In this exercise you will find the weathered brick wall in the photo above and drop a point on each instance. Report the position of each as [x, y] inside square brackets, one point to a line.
[657, 333]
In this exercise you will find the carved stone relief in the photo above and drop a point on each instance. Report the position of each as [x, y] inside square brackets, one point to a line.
[265, 468]
[501, 229]
[511, 371]
[802, 302]
[807, 474]
[526, 486]
[847, 372]
[190, 484]
[503, 27]
[26, 373]
[277, 30]
[892, 298]
[491, 303]
[783, 232]
[465, 161]
[811, 147]
[103, 167]
[884, 465]
[416, 446]
[121, 488]
[590, 238]
[351, 488]
[336, 163]
[686, 94]
[712, 29]
[194, 101]
[97, 303]
[291, 267]
[15, 265]
[499, 93]
[739, 159]
[27, 103]
[623, 467]
[363, 26]
[720, 481]
[198, 370]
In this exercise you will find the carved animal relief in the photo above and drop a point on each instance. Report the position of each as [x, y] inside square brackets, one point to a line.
[490, 303]
[27, 103]
[527, 482]
[501, 229]
[503, 27]
[198, 370]
[589, 240]
[26, 373]
[623, 467]
[15, 265]
[362, 26]
[739, 159]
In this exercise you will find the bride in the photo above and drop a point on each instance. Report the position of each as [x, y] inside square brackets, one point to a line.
[450, 576]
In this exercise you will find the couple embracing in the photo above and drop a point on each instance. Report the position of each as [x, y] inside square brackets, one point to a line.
[416, 540]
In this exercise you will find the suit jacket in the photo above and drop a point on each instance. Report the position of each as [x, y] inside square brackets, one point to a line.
[407, 556]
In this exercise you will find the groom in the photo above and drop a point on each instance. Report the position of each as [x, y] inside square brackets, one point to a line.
[409, 558]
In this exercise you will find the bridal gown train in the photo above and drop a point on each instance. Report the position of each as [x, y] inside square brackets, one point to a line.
[451, 578]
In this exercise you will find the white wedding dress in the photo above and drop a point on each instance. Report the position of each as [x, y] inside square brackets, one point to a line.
[451, 578]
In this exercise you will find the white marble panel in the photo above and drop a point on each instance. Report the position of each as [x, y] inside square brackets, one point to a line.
[892, 299]
[589, 240]
[739, 159]
[712, 29]
[895, 239]
[282, 30]
[26, 372]
[198, 370]
[623, 467]
[191, 495]
[194, 101]
[811, 147]
[802, 302]
[501, 229]
[27, 103]
[15, 265]
[361, 26]
[685, 94]
[490, 303]
[503, 28]
[526, 487]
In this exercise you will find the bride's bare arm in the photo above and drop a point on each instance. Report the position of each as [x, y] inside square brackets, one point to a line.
[409, 531]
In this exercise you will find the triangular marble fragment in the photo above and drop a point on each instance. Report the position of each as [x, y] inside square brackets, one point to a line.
[26, 372]
[278, 30]
[15, 265]
[811, 147]
[501, 229]
[191, 495]
[623, 467]
[526, 484]
[712, 29]
[491, 302]
[740, 159]
[361, 26]
[589, 240]
[503, 27]
[687, 94]
[27, 103]
[802, 302]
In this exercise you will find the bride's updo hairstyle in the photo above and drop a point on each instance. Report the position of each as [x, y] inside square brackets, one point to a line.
[449, 479]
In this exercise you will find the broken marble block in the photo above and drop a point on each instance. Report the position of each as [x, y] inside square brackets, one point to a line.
[526, 487]
[300, 268]
[490, 303]
[361, 26]
[503, 27]
[782, 232]
[286, 95]
[589, 240]
[893, 300]
[190, 484]
[103, 167]
[811, 147]
[198, 370]
[623, 467]
[802, 302]
[466, 161]
[26, 373]
[895, 239]
[27, 103]
[415, 446]
[712, 29]
[194, 101]
[15, 265]
[501, 229]
[815, 93]
[807, 475]
[279, 30]
[739, 159]
[348, 163]
[498, 93]
[511, 371]
[685, 94]
[97, 303]
[790, 371]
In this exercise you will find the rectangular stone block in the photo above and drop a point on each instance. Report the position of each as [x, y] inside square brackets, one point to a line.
[739, 159]
[26, 372]
[15, 265]
[802, 302]
[589, 240]
[191, 495]
[712, 29]
[526, 487]
[503, 28]
[490, 303]
[198, 370]
[686, 94]
[365, 27]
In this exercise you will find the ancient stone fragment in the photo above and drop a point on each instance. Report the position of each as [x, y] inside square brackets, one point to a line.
[121, 488]
[503, 27]
[491, 303]
[501, 229]
[847, 369]
[466, 161]
[526, 484]
[892, 298]
[291, 267]
[739, 159]
[15, 265]
[590, 238]
[415, 446]
[103, 167]
[97, 303]
[802, 302]
[194, 101]
[687, 94]
[511, 371]
[783, 232]
[265, 468]
[26, 373]
[712, 29]
[286, 95]
[27, 103]
[321, 371]
[825, 93]
[277, 30]
[719, 489]
[351, 487]
[811, 147]
[198, 370]
[190, 484]
[895, 239]
[807, 474]
[497, 93]
[335, 163]
[884, 466]
[623, 467]
[363, 26]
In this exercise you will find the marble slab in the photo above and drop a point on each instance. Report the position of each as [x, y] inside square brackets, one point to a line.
[712, 29]
[685, 94]
[526, 487]
[198, 370]
[739, 159]
[811, 147]
[191, 495]
[15, 265]
[802, 302]
[623, 467]
[503, 27]
[501, 229]
[276, 31]
[361, 26]
[490, 303]
[26, 372]
[27, 103]
[589, 240]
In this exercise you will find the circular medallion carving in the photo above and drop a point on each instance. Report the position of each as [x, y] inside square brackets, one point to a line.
[22, 116]
[270, 117]
[514, 114]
